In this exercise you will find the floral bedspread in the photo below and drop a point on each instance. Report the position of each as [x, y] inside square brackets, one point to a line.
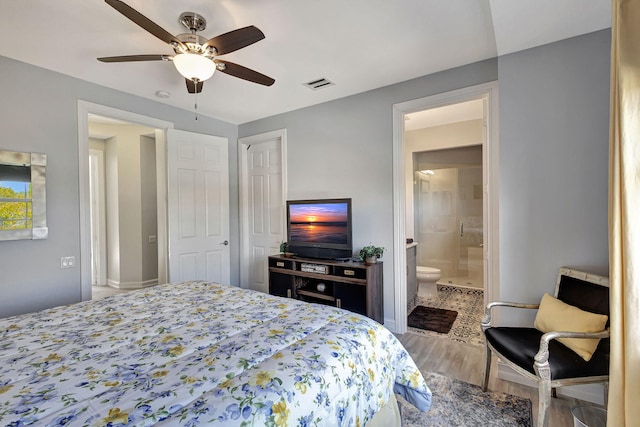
[198, 353]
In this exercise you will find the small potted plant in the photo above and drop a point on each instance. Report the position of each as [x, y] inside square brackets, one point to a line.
[370, 253]
[283, 249]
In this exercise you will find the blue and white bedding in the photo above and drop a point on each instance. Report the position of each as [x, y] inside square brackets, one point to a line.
[198, 353]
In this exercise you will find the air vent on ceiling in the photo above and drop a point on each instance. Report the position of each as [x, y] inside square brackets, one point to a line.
[319, 83]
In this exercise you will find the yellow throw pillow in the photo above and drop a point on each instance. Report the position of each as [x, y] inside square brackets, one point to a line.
[555, 315]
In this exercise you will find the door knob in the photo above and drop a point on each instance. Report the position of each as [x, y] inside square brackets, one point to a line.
[226, 243]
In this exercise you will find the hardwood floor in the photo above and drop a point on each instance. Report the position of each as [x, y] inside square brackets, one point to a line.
[98, 292]
[465, 362]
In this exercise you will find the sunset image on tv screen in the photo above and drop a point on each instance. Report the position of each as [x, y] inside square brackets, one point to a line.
[319, 222]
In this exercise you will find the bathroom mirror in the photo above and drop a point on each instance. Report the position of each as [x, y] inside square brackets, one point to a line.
[23, 203]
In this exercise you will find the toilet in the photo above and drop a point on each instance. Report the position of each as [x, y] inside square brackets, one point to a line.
[427, 278]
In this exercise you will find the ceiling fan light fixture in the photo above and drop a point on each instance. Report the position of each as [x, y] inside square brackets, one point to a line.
[195, 55]
[194, 67]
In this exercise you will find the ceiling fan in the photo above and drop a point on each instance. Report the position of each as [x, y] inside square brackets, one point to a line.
[195, 56]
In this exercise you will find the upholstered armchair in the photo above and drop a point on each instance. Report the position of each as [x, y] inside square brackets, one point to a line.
[568, 344]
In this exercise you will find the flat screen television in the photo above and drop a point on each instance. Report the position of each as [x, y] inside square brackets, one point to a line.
[319, 228]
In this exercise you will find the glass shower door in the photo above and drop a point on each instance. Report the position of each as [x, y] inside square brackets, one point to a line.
[470, 238]
[449, 224]
[437, 221]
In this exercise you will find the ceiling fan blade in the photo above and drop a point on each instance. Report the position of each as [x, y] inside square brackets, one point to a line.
[194, 87]
[244, 73]
[132, 58]
[144, 22]
[234, 40]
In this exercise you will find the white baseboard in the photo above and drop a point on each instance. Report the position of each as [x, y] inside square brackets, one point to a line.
[390, 324]
[593, 393]
[132, 285]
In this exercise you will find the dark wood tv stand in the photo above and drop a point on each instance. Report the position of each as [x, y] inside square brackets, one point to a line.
[354, 286]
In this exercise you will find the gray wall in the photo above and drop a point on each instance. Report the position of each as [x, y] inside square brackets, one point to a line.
[554, 122]
[553, 118]
[553, 163]
[344, 148]
[38, 112]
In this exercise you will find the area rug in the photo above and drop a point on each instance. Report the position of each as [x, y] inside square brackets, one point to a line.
[457, 403]
[438, 320]
[469, 303]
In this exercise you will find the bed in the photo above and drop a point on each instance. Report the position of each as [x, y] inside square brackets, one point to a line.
[200, 353]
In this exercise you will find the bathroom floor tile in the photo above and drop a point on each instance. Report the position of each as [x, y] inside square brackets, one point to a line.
[469, 303]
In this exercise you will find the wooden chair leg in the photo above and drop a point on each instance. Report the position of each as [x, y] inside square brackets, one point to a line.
[487, 367]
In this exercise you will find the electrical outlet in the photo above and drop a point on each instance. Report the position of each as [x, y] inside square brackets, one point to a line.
[67, 262]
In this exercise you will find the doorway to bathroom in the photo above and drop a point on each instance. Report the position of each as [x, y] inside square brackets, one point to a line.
[444, 215]
[423, 127]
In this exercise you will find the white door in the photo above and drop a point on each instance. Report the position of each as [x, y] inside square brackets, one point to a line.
[198, 207]
[262, 187]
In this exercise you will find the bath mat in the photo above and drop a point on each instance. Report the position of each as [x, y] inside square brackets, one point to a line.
[432, 319]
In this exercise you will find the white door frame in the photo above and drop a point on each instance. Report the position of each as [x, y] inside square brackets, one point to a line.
[84, 109]
[488, 91]
[243, 146]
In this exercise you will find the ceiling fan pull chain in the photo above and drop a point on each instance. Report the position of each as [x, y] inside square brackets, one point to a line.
[195, 81]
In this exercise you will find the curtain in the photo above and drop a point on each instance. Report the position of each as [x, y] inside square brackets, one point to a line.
[624, 215]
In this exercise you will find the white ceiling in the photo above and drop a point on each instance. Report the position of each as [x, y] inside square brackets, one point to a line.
[357, 44]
